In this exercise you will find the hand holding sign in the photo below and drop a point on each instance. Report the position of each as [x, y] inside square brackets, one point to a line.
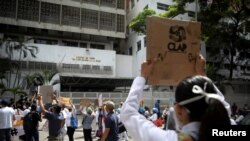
[147, 67]
[200, 65]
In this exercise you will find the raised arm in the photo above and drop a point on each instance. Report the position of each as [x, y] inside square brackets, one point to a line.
[40, 101]
[136, 124]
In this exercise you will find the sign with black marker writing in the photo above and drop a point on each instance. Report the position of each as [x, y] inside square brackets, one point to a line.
[176, 44]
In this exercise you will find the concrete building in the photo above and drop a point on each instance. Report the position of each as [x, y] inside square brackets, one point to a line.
[87, 41]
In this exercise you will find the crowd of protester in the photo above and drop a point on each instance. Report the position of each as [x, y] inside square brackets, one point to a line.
[109, 126]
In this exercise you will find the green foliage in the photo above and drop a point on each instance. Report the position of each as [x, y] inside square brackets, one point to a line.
[16, 50]
[45, 78]
[138, 24]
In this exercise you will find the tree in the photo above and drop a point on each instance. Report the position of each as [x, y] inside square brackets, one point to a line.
[15, 51]
[46, 77]
[224, 24]
[223, 28]
[138, 24]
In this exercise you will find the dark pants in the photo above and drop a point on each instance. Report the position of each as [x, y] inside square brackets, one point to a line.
[32, 135]
[70, 132]
[5, 134]
[87, 134]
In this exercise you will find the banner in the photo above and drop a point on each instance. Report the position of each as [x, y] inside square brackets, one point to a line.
[176, 44]
[85, 102]
[17, 129]
[46, 92]
[64, 100]
[100, 102]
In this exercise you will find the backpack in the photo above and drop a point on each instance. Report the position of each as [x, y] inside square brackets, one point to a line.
[28, 123]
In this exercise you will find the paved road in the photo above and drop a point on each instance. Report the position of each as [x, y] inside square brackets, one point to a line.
[78, 135]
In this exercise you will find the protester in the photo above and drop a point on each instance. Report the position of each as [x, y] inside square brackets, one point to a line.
[6, 121]
[87, 122]
[31, 124]
[72, 113]
[56, 120]
[111, 124]
[195, 110]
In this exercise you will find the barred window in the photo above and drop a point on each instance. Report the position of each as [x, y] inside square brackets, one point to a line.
[50, 13]
[70, 15]
[89, 18]
[120, 4]
[8, 8]
[120, 23]
[109, 3]
[28, 10]
[107, 21]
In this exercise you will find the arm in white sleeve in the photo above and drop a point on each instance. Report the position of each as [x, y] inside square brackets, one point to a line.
[136, 124]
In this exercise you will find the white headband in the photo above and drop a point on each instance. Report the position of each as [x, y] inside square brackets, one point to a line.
[198, 90]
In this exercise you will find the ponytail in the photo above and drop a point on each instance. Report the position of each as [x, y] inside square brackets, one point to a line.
[215, 116]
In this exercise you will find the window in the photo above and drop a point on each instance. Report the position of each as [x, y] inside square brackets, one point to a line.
[45, 41]
[8, 8]
[130, 51]
[145, 41]
[27, 10]
[108, 3]
[107, 21]
[70, 15]
[50, 13]
[120, 4]
[191, 14]
[89, 18]
[162, 6]
[83, 45]
[70, 43]
[97, 46]
[120, 23]
[138, 45]
[132, 3]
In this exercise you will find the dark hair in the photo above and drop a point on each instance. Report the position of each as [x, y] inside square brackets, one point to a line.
[33, 107]
[210, 114]
[57, 108]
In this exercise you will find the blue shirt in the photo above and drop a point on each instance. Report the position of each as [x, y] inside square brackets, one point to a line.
[111, 122]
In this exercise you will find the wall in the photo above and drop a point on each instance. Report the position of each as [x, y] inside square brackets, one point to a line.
[124, 66]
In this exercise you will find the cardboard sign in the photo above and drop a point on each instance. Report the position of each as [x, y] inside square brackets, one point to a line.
[46, 92]
[64, 100]
[176, 44]
[85, 102]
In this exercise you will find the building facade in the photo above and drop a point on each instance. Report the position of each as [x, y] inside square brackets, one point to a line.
[87, 41]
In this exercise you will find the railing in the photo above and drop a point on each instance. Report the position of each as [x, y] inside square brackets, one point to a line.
[149, 98]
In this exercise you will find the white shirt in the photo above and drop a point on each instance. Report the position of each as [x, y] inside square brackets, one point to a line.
[153, 117]
[136, 124]
[69, 115]
[25, 112]
[6, 117]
